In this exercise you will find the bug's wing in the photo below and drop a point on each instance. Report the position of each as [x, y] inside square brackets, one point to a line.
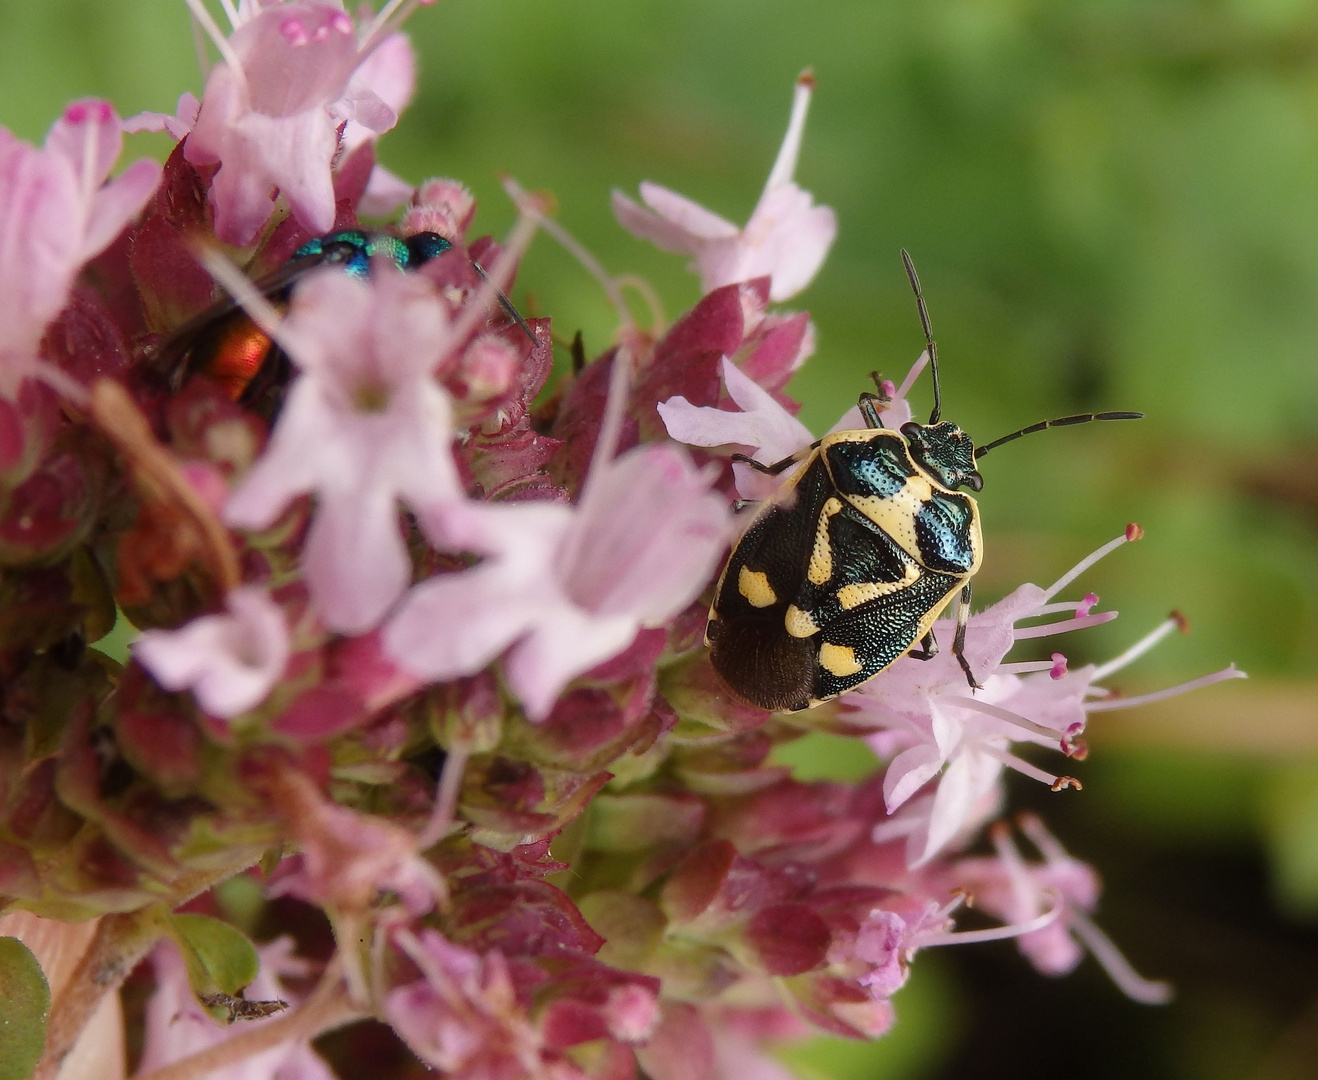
[750, 646]
[875, 604]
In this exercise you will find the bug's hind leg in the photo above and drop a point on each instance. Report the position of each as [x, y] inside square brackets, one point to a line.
[927, 649]
[959, 642]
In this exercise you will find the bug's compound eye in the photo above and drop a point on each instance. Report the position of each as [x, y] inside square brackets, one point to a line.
[974, 481]
[911, 429]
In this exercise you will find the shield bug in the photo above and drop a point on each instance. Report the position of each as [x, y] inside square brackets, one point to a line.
[224, 344]
[846, 568]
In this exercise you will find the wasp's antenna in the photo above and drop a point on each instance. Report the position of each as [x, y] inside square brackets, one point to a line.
[1061, 421]
[506, 304]
[928, 334]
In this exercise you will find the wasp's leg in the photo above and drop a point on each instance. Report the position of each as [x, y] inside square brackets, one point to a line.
[959, 642]
[778, 466]
[926, 650]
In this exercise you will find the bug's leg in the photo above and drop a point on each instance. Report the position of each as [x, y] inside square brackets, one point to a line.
[926, 650]
[774, 469]
[959, 642]
[871, 405]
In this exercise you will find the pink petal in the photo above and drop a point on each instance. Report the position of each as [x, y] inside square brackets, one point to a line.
[287, 469]
[117, 203]
[908, 772]
[355, 561]
[649, 536]
[385, 193]
[689, 216]
[89, 126]
[455, 624]
[296, 57]
[294, 154]
[665, 232]
[229, 661]
[563, 644]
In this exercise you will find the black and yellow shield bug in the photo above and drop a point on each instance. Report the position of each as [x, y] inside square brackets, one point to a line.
[850, 563]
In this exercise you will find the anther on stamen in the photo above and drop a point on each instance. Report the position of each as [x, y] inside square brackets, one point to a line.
[1076, 750]
[1064, 782]
[1059, 666]
[1087, 604]
[1134, 531]
[1182, 623]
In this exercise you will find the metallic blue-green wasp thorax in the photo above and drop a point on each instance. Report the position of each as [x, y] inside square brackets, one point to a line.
[352, 250]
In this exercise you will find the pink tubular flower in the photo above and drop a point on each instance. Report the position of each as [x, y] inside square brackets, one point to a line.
[231, 662]
[291, 75]
[763, 425]
[565, 588]
[462, 1016]
[786, 237]
[177, 1026]
[347, 858]
[365, 426]
[925, 713]
[1016, 891]
[57, 212]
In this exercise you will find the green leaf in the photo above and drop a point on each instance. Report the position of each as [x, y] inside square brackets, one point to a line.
[217, 957]
[24, 1009]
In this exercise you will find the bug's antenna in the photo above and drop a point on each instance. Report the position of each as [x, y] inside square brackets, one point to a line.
[1061, 421]
[928, 334]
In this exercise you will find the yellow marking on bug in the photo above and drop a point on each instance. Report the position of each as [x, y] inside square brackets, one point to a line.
[799, 623]
[754, 586]
[839, 660]
[895, 514]
[821, 557]
[850, 596]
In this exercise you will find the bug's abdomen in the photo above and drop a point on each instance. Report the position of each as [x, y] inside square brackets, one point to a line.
[750, 646]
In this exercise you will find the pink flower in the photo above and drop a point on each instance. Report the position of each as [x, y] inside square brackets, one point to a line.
[292, 73]
[763, 425]
[365, 426]
[230, 662]
[564, 588]
[925, 713]
[177, 1026]
[56, 212]
[348, 858]
[178, 123]
[1017, 891]
[462, 1015]
[786, 237]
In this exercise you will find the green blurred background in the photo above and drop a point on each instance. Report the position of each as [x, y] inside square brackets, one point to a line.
[1112, 205]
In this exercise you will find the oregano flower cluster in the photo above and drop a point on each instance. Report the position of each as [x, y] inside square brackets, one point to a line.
[421, 650]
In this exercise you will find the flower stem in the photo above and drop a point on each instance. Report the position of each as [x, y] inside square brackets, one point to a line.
[120, 942]
[327, 1007]
[116, 414]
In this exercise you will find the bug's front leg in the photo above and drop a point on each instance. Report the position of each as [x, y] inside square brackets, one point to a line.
[778, 466]
[959, 642]
[926, 650]
[872, 404]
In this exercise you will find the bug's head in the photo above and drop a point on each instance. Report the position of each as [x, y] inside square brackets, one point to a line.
[946, 451]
